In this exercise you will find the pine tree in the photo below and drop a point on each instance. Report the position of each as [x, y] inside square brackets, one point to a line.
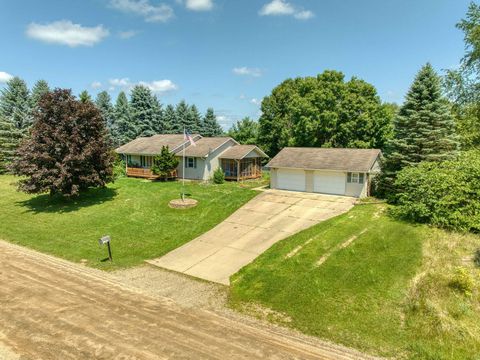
[158, 120]
[39, 89]
[124, 129]
[10, 138]
[104, 104]
[15, 103]
[181, 114]
[424, 129]
[211, 127]
[193, 121]
[144, 111]
[169, 120]
[85, 96]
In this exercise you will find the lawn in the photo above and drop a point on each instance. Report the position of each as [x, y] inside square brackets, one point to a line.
[133, 212]
[387, 291]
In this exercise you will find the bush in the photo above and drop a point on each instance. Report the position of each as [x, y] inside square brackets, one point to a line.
[462, 281]
[165, 163]
[218, 176]
[119, 169]
[445, 194]
[476, 258]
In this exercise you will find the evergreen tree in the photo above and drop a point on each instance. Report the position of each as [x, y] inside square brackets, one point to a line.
[158, 120]
[39, 89]
[85, 96]
[211, 127]
[15, 103]
[144, 111]
[424, 129]
[104, 104]
[193, 121]
[10, 138]
[181, 115]
[169, 119]
[123, 129]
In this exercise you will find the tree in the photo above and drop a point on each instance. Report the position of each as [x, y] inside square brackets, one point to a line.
[169, 120]
[15, 103]
[104, 104]
[67, 151]
[165, 163]
[323, 111]
[123, 129]
[39, 89]
[193, 120]
[181, 114]
[144, 111]
[424, 129]
[85, 96]
[158, 121]
[10, 138]
[245, 131]
[210, 125]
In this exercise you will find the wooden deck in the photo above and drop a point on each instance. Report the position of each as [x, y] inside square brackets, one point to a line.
[147, 173]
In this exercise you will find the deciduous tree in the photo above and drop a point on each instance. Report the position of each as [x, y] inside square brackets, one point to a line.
[245, 131]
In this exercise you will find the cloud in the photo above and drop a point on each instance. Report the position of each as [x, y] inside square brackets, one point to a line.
[96, 85]
[128, 34]
[4, 77]
[199, 5]
[123, 82]
[64, 32]
[255, 101]
[283, 8]
[160, 86]
[150, 12]
[246, 71]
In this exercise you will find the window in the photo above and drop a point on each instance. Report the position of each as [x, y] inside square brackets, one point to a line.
[355, 177]
[191, 162]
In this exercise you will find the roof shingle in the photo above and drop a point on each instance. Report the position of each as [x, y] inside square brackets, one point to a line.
[153, 145]
[238, 152]
[205, 145]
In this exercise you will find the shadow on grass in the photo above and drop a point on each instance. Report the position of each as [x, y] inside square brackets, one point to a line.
[58, 204]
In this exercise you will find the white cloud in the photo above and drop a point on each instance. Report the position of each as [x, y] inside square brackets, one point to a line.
[96, 85]
[121, 82]
[246, 71]
[64, 32]
[255, 101]
[128, 34]
[199, 5]
[160, 86]
[150, 12]
[4, 77]
[282, 8]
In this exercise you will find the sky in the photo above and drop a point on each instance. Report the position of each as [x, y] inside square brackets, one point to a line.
[225, 54]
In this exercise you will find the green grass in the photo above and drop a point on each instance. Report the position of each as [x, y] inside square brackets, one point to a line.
[386, 293]
[134, 212]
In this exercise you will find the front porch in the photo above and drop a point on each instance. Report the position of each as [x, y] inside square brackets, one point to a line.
[244, 169]
[146, 173]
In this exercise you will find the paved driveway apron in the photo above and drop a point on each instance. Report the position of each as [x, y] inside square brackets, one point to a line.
[271, 216]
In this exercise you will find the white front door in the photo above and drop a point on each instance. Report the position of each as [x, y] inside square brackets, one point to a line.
[288, 179]
[329, 182]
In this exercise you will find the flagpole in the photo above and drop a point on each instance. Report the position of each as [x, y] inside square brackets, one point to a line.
[183, 163]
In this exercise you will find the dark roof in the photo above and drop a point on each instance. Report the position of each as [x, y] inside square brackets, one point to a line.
[153, 145]
[238, 152]
[360, 160]
[206, 145]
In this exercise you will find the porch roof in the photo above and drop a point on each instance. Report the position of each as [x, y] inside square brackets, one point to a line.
[238, 152]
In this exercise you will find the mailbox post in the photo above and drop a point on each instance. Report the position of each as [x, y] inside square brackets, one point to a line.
[106, 240]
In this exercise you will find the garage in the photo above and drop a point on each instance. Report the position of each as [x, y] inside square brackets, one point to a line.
[329, 182]
[290, 179]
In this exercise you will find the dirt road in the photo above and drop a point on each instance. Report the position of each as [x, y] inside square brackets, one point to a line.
[53, 309]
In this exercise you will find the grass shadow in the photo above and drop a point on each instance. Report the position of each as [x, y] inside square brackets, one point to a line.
[58, 204]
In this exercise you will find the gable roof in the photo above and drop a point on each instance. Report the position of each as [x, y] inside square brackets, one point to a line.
[152, 145]
[238, 152]
[360, 160]
[206, 145]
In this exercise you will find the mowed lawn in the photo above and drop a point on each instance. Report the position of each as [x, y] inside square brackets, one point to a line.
[133, 212]
[367, 281]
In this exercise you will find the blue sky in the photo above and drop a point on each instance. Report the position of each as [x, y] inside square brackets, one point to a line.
[227, 54]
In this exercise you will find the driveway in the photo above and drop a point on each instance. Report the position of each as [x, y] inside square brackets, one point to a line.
[270, 217]
[53, 309]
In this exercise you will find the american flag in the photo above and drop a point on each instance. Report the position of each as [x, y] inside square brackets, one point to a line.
[188, 137]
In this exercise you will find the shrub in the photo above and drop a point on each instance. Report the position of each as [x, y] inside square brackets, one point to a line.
[218, 176]
[445, 194]
[462, 281]
[476, 258]
[165, 163]
[119, 169]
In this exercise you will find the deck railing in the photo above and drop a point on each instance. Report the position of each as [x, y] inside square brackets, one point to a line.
[147, 173]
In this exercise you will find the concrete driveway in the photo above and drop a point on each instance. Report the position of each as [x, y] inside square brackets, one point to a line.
[271, 216]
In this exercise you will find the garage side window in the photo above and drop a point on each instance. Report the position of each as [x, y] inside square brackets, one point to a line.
[355, 177]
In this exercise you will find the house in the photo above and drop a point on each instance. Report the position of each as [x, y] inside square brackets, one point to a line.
[323, 170]
[239, 162]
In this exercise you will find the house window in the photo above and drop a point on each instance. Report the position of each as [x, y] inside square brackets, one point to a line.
[355, 177]
[191, 162]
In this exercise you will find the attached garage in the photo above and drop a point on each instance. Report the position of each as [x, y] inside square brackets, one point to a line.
[328, 171]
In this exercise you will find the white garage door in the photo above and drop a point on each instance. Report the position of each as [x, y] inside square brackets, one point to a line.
[329, 182]
[291, 179]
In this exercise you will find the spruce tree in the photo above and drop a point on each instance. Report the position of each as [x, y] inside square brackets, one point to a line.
[39, 89]
[193, 121]
[85, 96]
[158, 120]
[103, 102]
[181, 114]
[169, 120]
[10, 138]
[15, 103]
[424, 129]
[211, 127]
[144, 111]
[123, 129]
